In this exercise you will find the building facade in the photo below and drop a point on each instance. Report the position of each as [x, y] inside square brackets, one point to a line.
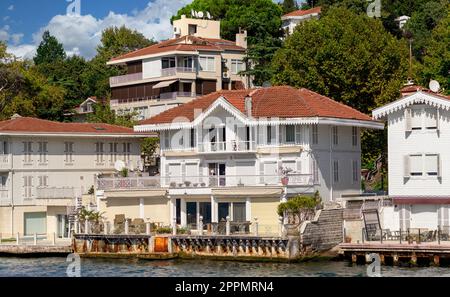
[238, 154]
[418, 151]
[46, 166]
[195, 62]
[293, 19]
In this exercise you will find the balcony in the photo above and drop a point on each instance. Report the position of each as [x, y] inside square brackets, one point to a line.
[176, 70]
[227, 147]
[162, 96]
[5, 162]
[55, 193]
[123, 79]
[192, 182]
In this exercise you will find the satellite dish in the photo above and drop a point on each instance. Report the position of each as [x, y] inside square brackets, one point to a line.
[434, 86]
[200, 14]
[208, 15]
[193, 13]
[119, 165]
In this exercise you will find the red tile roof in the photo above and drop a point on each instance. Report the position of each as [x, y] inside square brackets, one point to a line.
[34, 125]
[300, 12]
[411, 89]
[281, 102]
[184, 43]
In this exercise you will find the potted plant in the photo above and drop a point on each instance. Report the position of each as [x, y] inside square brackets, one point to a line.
[296, 211]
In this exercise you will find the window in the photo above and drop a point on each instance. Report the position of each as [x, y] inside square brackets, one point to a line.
[269, 135]
[168, 62]
[355, 171]
[354, 136]
[415, 163]
[290, 134]
[416, 119]
[237, 66]
[192, 29]
[68, 150]
[421, 118]
[192, 142]
[207, 64]
[3, 182]
[99, 150]
[335, 136]
[43, 152]
[188, 62]
[4, 148]
[27, 187]
[315, 134]
[431, 164]
[27, 152]
[430, 118]
[422, 165]
[43, 181]
[315, 171]
[336, 171]
[113, 152]
[126, 152]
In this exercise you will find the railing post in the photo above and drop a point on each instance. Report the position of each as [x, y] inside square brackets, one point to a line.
[86, 227]
[54, 238]
[17, 238]
[200, 225]
[256, 227]
[148, 228]
[228, 226]
[407, 236]
[381, 236]
[281, 226]
[363, 235]
[419, 237]
[439, 234]
[174, 226]
[35, 239]
[400, 235]
[126, 226]
[105, 227]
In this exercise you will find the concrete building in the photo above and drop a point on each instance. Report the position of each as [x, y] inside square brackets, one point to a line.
[293, 19]
[46, 166]
[195, 62]
[239, 154]
[418, 153]
[81, 112]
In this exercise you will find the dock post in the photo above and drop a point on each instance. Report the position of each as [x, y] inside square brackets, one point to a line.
[256, 227]
[228, 226]
[354, 258]
[200, 225]
[54, 238]
[436, 261]
[439, 234]
[395, 259]
[174, 226]
[126, 226]
[35, 239]
[148, 229]
[382, 260]
[362, 235]
[414, 259]
[368, 259]
[17, 238]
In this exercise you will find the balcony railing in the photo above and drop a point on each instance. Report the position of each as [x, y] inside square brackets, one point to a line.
[170, 95]
[123, 79]
[192, 182]
[55, 193]
[227, 147]
[175, 70]
[5, 161]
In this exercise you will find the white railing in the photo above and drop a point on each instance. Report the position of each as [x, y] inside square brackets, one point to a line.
[173, 71]
[119, 183]
[5, 161]
[173, 95]
[122, 79]
[230, 146]
[55, 193]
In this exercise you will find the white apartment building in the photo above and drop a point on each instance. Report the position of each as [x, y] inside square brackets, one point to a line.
[45, 166]
[418, 154]
[197, 61]
[293, 19]
[229, 153]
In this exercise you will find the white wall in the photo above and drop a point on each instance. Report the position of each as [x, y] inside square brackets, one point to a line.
[151, 67]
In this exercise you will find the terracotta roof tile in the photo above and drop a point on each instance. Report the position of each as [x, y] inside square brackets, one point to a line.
[34, 125]
[281, 102]
[300, 12]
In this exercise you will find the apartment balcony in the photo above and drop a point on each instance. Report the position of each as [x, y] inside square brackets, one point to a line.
[55, 193]
[176, 71]
[151, 99]
[5, 162]
[227, 147]
[180, 72]
[199, 182]
[124, 79]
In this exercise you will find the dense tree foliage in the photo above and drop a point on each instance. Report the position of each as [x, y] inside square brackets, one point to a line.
[289, 6]
[261, 19]
[49, 50]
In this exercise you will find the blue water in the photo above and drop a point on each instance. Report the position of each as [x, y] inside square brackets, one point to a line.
[56, 267]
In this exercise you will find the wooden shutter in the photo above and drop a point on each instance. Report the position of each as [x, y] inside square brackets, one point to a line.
[408, 125]
[298, 134]
[406, 166]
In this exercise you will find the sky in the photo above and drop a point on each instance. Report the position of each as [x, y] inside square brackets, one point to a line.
[22, 22]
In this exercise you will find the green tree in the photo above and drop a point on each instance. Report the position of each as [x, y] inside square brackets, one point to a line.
[104, 114]
[114, 42]
[49, 50]
[437, 58]
[261, 19]
[345, 56]
[148, 148]
[289, 6]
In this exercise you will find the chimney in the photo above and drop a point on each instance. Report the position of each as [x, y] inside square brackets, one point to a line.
[248, 105]
[241, 38]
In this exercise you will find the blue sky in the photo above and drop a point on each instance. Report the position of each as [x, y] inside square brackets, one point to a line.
[22, 22]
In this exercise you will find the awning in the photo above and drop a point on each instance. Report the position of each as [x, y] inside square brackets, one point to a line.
[421, 200]
[248, 192]
[136, 194]
[164, 84]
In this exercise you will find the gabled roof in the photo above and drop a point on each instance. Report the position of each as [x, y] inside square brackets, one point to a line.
[28, 125]
[302, 13]
[186, 43]
[414, 95]
[282, 102]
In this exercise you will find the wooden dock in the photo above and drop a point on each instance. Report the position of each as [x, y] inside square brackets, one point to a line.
[395, 253]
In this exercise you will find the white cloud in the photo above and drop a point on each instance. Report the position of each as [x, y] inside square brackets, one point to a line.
[24, 51]
[81, 34]
[16, 38]
[11, 7]
[4, 33]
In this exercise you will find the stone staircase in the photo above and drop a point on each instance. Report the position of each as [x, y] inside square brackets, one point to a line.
[324, 232]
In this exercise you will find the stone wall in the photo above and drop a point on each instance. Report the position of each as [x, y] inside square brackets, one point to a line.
[324, 232]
